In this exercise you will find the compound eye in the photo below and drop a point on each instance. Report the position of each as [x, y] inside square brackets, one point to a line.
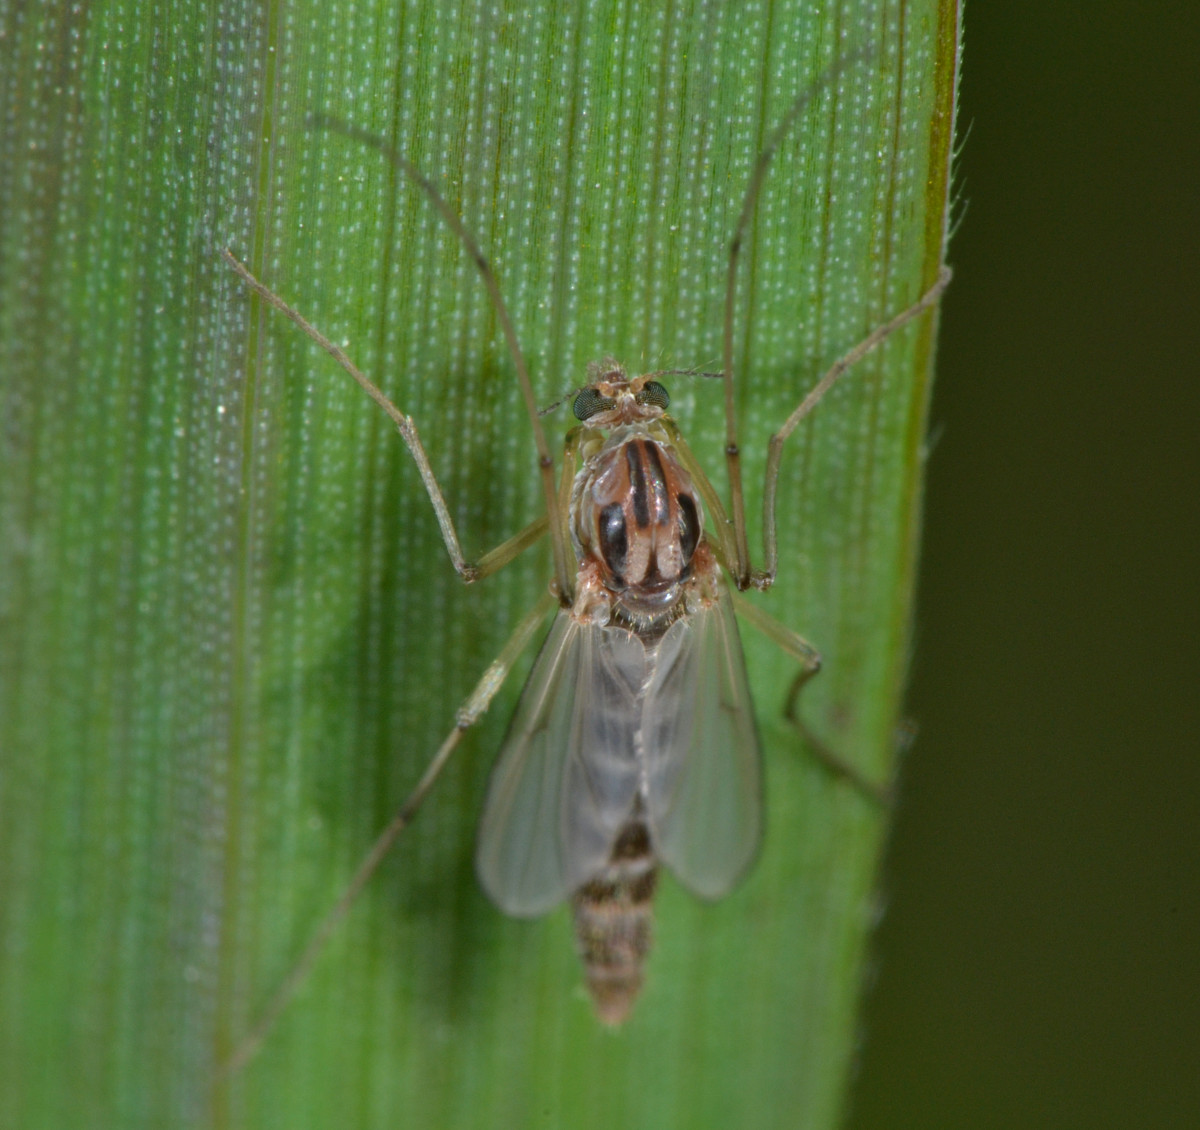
[589, 402]
[655, 394]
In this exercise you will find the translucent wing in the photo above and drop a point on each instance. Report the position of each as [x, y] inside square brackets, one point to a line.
[703, 762]
[567, 776]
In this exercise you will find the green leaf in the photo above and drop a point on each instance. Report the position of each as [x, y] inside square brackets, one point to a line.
[230, 639]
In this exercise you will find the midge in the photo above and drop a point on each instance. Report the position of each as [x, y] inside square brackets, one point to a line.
[634, 742]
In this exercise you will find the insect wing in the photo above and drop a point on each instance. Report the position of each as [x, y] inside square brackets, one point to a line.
[703, 760]
[566, 778]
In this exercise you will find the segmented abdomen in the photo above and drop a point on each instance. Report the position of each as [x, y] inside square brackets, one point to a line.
[613, 923]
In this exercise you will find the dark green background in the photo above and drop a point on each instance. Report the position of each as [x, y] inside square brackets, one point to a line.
[1038, 961]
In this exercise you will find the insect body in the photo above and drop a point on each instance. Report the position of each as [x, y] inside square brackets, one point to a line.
[634, 741]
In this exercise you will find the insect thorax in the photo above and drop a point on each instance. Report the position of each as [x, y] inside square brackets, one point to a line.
[637, 521]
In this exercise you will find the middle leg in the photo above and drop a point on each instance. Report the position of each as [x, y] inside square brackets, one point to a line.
[809, 658]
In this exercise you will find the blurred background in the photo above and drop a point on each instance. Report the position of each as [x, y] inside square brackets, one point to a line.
[1038, 962]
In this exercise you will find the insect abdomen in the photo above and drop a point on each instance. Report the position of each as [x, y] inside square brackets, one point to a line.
[613, 923]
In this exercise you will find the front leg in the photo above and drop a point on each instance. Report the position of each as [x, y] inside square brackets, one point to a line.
[764, 578]
[469, 571]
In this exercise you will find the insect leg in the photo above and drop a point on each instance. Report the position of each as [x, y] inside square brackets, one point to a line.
[810, 660]
[743, 574]
[469, 571]
[467, 715]
[837, 369]
[496, 559]
[558, 540]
